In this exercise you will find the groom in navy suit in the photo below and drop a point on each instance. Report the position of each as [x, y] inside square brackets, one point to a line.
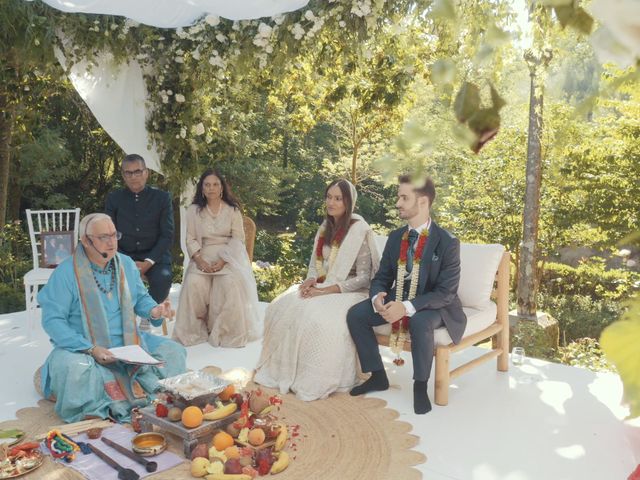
[436, 302]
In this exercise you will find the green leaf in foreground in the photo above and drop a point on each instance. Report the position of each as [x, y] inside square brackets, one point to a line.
[467, 101]
[620, 343]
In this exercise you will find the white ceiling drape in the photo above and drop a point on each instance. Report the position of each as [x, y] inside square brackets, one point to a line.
[178, 13]
[117, 94]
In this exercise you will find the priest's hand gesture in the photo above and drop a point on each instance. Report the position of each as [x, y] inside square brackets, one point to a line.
[163, 310]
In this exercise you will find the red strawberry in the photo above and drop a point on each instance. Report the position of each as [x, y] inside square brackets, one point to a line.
[238, 398]
[264, 467]
[161, 410]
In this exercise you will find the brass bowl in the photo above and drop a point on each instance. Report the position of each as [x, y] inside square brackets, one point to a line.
[149, 444]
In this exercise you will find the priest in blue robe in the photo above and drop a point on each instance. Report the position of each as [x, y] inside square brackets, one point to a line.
[89, 305]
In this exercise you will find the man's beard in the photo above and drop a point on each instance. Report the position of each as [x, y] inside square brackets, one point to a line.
[408, 213]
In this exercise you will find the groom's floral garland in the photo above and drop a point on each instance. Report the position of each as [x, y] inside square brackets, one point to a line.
[400, 329]
[335, 246]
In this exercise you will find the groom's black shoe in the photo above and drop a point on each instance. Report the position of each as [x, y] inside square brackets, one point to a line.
[421, 403]
[376, 383]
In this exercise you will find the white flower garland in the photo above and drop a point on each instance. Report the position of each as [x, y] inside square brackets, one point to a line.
[398, 339]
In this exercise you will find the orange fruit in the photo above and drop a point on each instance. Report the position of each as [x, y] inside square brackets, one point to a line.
[192, 417]
[222, 440]
[256, 437]
[232, 452]
[225, 395]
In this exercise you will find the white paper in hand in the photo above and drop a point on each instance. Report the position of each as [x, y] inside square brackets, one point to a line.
[134, 354]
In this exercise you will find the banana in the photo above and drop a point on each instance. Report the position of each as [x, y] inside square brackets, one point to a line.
[216, 468]
[243, 436]
[221, 412]
[281, 463]
[281, 439]
[228, 476]
[213, 454]
[266, 410]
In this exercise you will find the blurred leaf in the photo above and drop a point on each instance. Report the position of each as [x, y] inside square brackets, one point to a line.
[414, 132]
[575, 17]
[443, 71]
[556, 3]
[564, 14]
[582, 21]
[496, 37]
[620, 343]
[496, 99]
[444, 10]
[467, 101]
[484, 120]
[388, 166]
[13, 433]
[463, 135]
[485, 124]
[484, 53]
[609, 49]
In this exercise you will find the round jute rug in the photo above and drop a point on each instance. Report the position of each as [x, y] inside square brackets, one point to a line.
[341, 437]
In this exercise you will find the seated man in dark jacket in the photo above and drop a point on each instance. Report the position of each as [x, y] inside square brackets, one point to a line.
[144, 216]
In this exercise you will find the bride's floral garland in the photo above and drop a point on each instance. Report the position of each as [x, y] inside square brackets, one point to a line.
[335, 246]
[400, 329]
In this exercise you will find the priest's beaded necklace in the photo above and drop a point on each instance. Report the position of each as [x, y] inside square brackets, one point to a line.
[107, 290]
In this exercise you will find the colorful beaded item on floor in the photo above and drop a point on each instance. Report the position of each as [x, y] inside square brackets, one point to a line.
[61, 446]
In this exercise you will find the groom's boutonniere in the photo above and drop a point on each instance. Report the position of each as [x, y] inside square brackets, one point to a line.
[435, 257]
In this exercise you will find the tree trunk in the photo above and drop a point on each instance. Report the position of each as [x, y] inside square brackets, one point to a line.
[527, 287]
[6, 121]
[354, 164]
[285, 151]
[14, 202]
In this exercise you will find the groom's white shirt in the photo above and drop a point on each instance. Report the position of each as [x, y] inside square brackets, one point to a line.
[411, 310]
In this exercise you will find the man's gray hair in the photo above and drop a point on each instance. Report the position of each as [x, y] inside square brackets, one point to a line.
[132, 158]
[89, 219]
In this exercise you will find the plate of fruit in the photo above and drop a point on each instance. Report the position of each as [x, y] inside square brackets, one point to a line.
[252, 445]
[20, 460]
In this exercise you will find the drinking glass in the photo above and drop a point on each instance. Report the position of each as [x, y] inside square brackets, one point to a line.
[517, 355]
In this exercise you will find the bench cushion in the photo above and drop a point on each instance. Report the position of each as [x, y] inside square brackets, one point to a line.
[479, 265]
[477, 319]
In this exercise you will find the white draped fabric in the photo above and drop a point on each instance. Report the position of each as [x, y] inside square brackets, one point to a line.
[179, 13]
[116, 95]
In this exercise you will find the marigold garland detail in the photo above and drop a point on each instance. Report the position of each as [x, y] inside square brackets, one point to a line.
[335, 246]
[400, 329]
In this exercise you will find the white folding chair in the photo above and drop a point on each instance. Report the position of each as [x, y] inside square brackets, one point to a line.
[41, 221]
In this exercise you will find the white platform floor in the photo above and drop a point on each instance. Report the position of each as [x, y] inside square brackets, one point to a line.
[539, 421]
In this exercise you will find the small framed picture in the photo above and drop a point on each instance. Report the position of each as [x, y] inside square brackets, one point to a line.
[56, 246]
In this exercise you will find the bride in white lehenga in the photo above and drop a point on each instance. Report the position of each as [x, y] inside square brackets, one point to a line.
[307, 347]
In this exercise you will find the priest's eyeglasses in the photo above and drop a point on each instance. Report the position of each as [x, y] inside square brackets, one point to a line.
[106, 237]
[133, 173]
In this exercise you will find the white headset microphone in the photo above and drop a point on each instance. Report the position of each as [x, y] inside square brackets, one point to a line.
[86, 229]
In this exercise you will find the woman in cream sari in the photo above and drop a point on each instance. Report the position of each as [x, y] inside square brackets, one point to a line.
[219, 300]
[307, 347]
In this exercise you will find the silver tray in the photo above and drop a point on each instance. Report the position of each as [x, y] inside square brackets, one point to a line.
[194, 388]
